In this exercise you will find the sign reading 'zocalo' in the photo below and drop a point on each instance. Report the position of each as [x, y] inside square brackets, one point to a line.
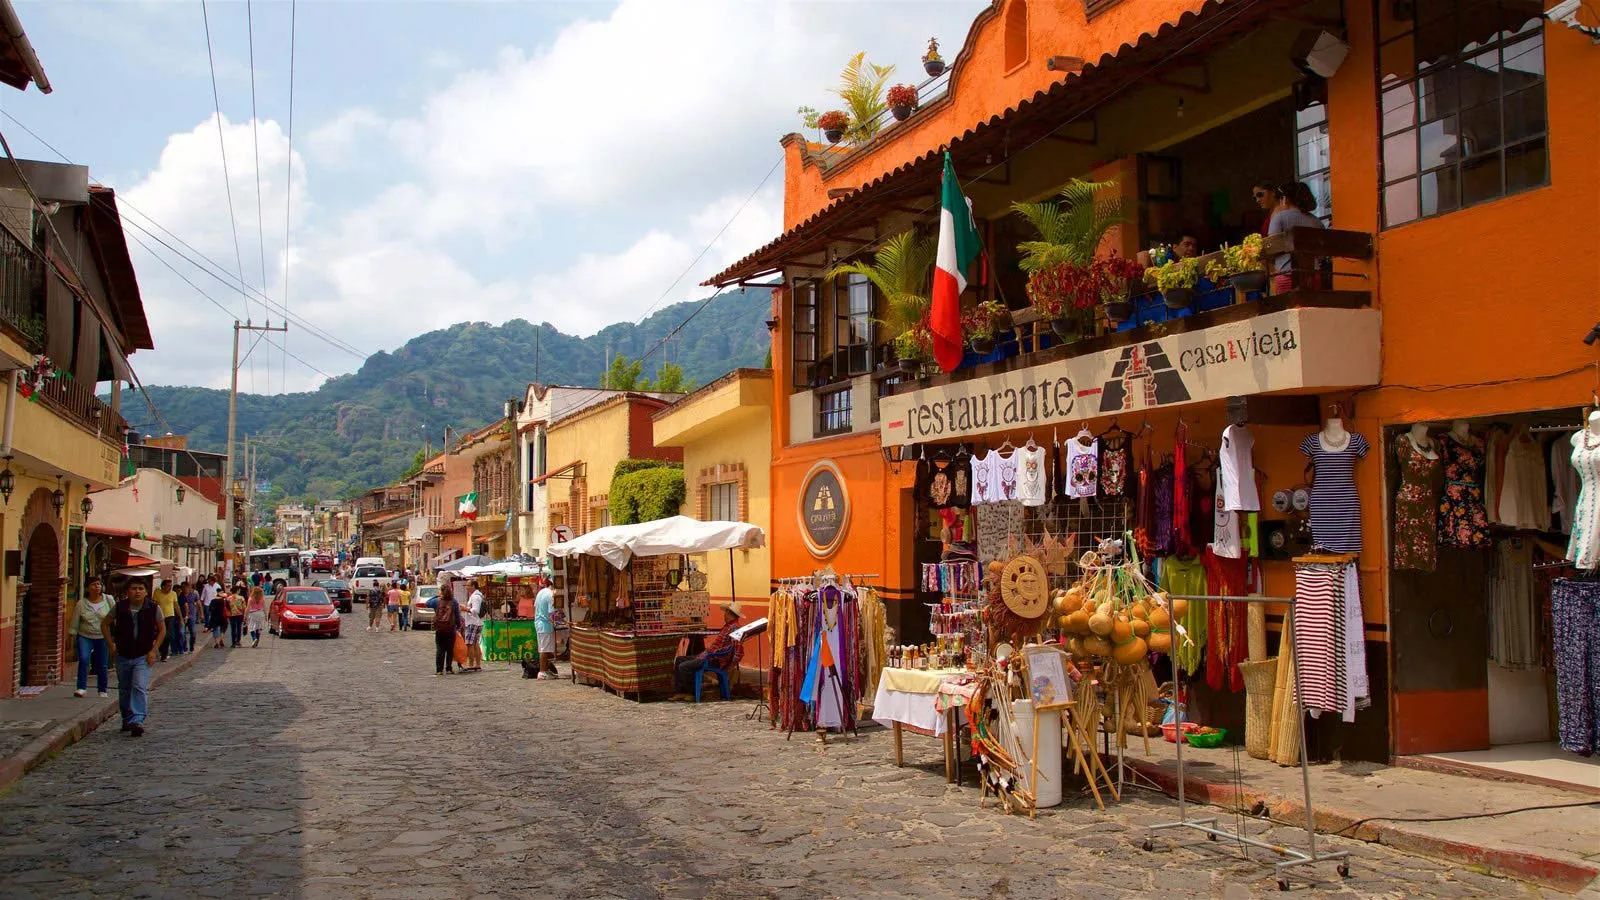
[824, 508]
[1288, 350]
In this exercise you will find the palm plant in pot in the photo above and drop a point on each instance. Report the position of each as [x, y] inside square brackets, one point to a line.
[900, 271]
[982, 322]
[902, 100]
[1063, 281]
[1175, 281]
[1241, 265]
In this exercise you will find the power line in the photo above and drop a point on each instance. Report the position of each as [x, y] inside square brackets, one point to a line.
[255, 140]
[227, 181]
[288, 180]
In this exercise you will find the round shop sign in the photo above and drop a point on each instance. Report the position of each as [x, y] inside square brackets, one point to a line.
[824, 508]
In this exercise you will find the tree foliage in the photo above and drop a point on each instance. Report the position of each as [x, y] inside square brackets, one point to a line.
[623, 374]
[630, 465]
[899, 270]
[646, 495]
[263, 537]
[1070, 230]
[417, 462]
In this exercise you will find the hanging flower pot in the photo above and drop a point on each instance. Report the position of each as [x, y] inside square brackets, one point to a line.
[1119, 310]
[910, 366]
[901, 113]
[902, 100]
[1178, 297]
[1064, 328]
[834, 135]
[932, 62]
[1250, 281]
[833, 124]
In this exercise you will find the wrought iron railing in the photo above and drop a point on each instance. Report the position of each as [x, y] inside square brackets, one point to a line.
[78, 403]
[21, 291]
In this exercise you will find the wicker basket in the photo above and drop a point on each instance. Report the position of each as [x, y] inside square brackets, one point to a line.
[1259, 681]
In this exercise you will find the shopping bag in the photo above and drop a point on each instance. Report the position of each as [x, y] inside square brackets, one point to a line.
[460, 650]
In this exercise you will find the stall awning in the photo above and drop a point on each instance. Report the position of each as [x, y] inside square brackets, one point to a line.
[617, 544]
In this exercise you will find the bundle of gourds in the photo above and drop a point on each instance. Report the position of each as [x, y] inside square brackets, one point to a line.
[1114, 613]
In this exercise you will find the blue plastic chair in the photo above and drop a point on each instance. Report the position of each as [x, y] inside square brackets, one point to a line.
[720, 658]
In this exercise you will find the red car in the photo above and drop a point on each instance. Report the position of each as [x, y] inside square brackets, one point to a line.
[303, 610]
[322, 563]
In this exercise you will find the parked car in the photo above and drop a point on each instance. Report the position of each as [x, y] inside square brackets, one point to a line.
[339, 591]
[303, 610]
[322, 562]
[369, 578]
[423, 605]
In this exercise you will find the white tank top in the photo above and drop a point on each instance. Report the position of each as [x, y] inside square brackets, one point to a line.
[1032, 481]
[1238, 470]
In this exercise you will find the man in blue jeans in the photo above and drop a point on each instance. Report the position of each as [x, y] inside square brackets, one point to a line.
[134, 637]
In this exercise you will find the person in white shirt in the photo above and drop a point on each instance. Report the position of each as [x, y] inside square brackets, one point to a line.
[86, 628]
[472, 626]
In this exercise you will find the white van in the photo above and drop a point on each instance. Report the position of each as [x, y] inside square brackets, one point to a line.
[372, 561]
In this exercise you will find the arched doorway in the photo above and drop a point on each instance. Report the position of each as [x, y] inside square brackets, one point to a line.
[39, 647]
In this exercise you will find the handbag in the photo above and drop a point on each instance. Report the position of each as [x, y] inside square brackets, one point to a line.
[460, 650]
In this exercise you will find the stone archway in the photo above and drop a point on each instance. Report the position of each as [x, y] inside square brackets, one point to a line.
[40, 616]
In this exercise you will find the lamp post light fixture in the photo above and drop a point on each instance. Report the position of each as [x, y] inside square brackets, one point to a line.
[8, 482]
[87, 506]
[894, 454]
[181, 492]
[58, 497]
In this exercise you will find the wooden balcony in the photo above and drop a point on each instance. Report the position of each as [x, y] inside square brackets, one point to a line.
[21, 293]
[79, 405]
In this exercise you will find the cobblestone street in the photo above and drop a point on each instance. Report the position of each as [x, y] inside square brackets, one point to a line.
[344, 769]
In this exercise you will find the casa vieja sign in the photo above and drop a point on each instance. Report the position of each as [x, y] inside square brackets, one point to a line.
[1293, 349]
[824, 508]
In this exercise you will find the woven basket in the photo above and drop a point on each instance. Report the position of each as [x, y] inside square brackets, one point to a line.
[1260, 678]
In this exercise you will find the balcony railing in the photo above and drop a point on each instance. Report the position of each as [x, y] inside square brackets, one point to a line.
[21, 292]
[77, 403]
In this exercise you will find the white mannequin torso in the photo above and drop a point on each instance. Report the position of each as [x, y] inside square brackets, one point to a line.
[1589, 435]
[1334, 437]
[1462, 432]
[1421, 442]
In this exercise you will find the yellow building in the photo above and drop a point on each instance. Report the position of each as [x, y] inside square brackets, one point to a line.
[584, 449]
[725, 432]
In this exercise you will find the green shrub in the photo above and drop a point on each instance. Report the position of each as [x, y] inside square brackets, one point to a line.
[629, 466]
[646, 495]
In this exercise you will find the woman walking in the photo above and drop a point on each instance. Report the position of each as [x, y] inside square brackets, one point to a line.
[257, 610]
[446, 617]
[217, 618]
[236, 610]
[86, 627]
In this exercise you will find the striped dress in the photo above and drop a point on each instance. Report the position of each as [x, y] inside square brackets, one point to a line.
[1335, 508]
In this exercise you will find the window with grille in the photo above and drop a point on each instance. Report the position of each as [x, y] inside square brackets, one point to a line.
[722, 501]
[834, 412]
[1312, 157]
[803, 333]
[1462, 109]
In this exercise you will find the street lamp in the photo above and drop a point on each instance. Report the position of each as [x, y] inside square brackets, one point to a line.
[87, 506]
[58, 497]
[181, 492]
[8, 482]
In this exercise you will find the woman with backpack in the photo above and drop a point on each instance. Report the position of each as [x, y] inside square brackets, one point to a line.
[446, 619]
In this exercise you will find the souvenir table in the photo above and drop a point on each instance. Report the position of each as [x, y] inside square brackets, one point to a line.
[914, 700]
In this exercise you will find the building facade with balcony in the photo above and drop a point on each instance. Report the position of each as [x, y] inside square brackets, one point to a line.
[292, 526]
[584, 449]
[162, 518]
[1442, 142]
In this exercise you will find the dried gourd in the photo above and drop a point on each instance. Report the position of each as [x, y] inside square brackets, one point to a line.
[1141, 627]
[1096, 646]
[1130, 652]
[1160, 642]
[1179, 605]
[1160, 619]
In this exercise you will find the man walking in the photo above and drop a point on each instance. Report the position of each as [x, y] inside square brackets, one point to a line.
[391, 599]
[377, 600]
[135, 633]
[189, 615]
[544, 625]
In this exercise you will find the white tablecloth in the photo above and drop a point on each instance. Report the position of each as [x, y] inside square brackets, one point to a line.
[913, 709]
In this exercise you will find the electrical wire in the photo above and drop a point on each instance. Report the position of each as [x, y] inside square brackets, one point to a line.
[255, 141]
[227, 182]
[288, 179]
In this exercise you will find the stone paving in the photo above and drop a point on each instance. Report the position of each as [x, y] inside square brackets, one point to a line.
[343, 768]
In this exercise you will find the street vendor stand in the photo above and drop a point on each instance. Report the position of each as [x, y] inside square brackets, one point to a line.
[925, 702]
[637, 612]
[507, 638]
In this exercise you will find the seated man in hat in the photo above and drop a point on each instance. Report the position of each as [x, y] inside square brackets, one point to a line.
[683, 672]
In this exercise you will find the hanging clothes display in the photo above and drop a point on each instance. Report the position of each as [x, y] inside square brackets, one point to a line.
[1227, 643]
[1495, 441]
[1005, 470]
[874, 643]
[1187, 576]
[940, 485]
[1182, 537]
[986, 478]
[821, 677]
[1575, 614]
[1225, 538]
[1416, 521]
[1463, 519]
[1563, 484]
[1335, 507]
[1202, 501]
[1032, 477]
[997, 522]
[1161, 523]
[1329, 639]
[961, 479]
[1584, 546]
[1524, 500]
[1239, 469]
[1116, 463]
[1083, 467]
[1144, 512]
[1512, 627]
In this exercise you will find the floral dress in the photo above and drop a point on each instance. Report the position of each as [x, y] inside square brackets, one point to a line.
[1416, 524]
[1463, 520]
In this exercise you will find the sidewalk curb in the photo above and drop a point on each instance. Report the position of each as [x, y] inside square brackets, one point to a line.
[46, 745]
[1560, 874]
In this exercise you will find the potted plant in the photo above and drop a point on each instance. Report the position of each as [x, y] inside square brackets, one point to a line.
[1175, 281]
[1065, 281]
[833, 124]
[982, 322]
[932, 62]
[1115, 271]
[900, 271]
[1241, 265]
[861, 86]
[902, 100]
[913, 348]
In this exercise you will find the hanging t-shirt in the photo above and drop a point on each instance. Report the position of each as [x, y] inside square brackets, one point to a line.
[985, 478]
[1239, 469]
[1335, 508]
[1116, 464]
[1083, 468]
[1005, 472]
[1032, 479]
[1225, 537]
[940, 488]
[961, 480]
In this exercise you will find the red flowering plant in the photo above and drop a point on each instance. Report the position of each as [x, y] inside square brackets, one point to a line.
[915, 344]
[903, 95]
[983, 321]
[833, 120]
[1065, 290]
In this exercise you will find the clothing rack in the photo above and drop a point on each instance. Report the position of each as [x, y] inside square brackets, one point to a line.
[1210, 827]
[1541, 429]
[815, 579]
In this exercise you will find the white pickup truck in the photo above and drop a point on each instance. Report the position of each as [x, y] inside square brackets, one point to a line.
[369, 579]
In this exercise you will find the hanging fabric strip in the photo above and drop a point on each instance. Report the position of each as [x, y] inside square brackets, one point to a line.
[1575, 617]
[1319, 637]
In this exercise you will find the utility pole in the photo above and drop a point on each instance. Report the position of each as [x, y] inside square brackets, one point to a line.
[229, 546]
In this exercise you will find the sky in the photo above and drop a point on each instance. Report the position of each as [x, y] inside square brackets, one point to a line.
[450, 161]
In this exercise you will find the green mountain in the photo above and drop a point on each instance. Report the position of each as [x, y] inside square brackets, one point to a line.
[362, 430]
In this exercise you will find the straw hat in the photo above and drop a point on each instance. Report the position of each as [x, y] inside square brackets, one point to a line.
[733, 609]
[1025, 588]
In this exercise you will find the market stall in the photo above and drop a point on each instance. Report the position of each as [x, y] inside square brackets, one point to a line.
[507, 635]
[639, 596]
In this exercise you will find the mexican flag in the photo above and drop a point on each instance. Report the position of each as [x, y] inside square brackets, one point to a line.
[467, 506]
[958, 247]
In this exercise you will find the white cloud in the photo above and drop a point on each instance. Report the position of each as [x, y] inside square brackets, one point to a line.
[570, 182]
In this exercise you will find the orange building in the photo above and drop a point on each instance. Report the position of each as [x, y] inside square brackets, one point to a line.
[1443, 148]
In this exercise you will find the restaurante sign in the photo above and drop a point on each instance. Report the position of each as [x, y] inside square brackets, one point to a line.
[1281, 351]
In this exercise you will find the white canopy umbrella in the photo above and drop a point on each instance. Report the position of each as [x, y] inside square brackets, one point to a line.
[618, 544]
[511, 568]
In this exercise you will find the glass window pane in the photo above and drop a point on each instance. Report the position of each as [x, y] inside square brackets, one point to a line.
[1527, 166]
[1400, 202]
[1396, 60]
[1438, 192]
[1525, 114]
[1481, 179]
[1399, 107]
[1523, 61]
[1438, 142]
[1480, 130]
[1321, 188]
[1400, 155]
[1438, 94]
[1312, 151]
[1311, 115]
[1521, 17]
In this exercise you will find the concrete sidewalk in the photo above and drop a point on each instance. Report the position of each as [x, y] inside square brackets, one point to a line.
[1558, 848]
[32, 729]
